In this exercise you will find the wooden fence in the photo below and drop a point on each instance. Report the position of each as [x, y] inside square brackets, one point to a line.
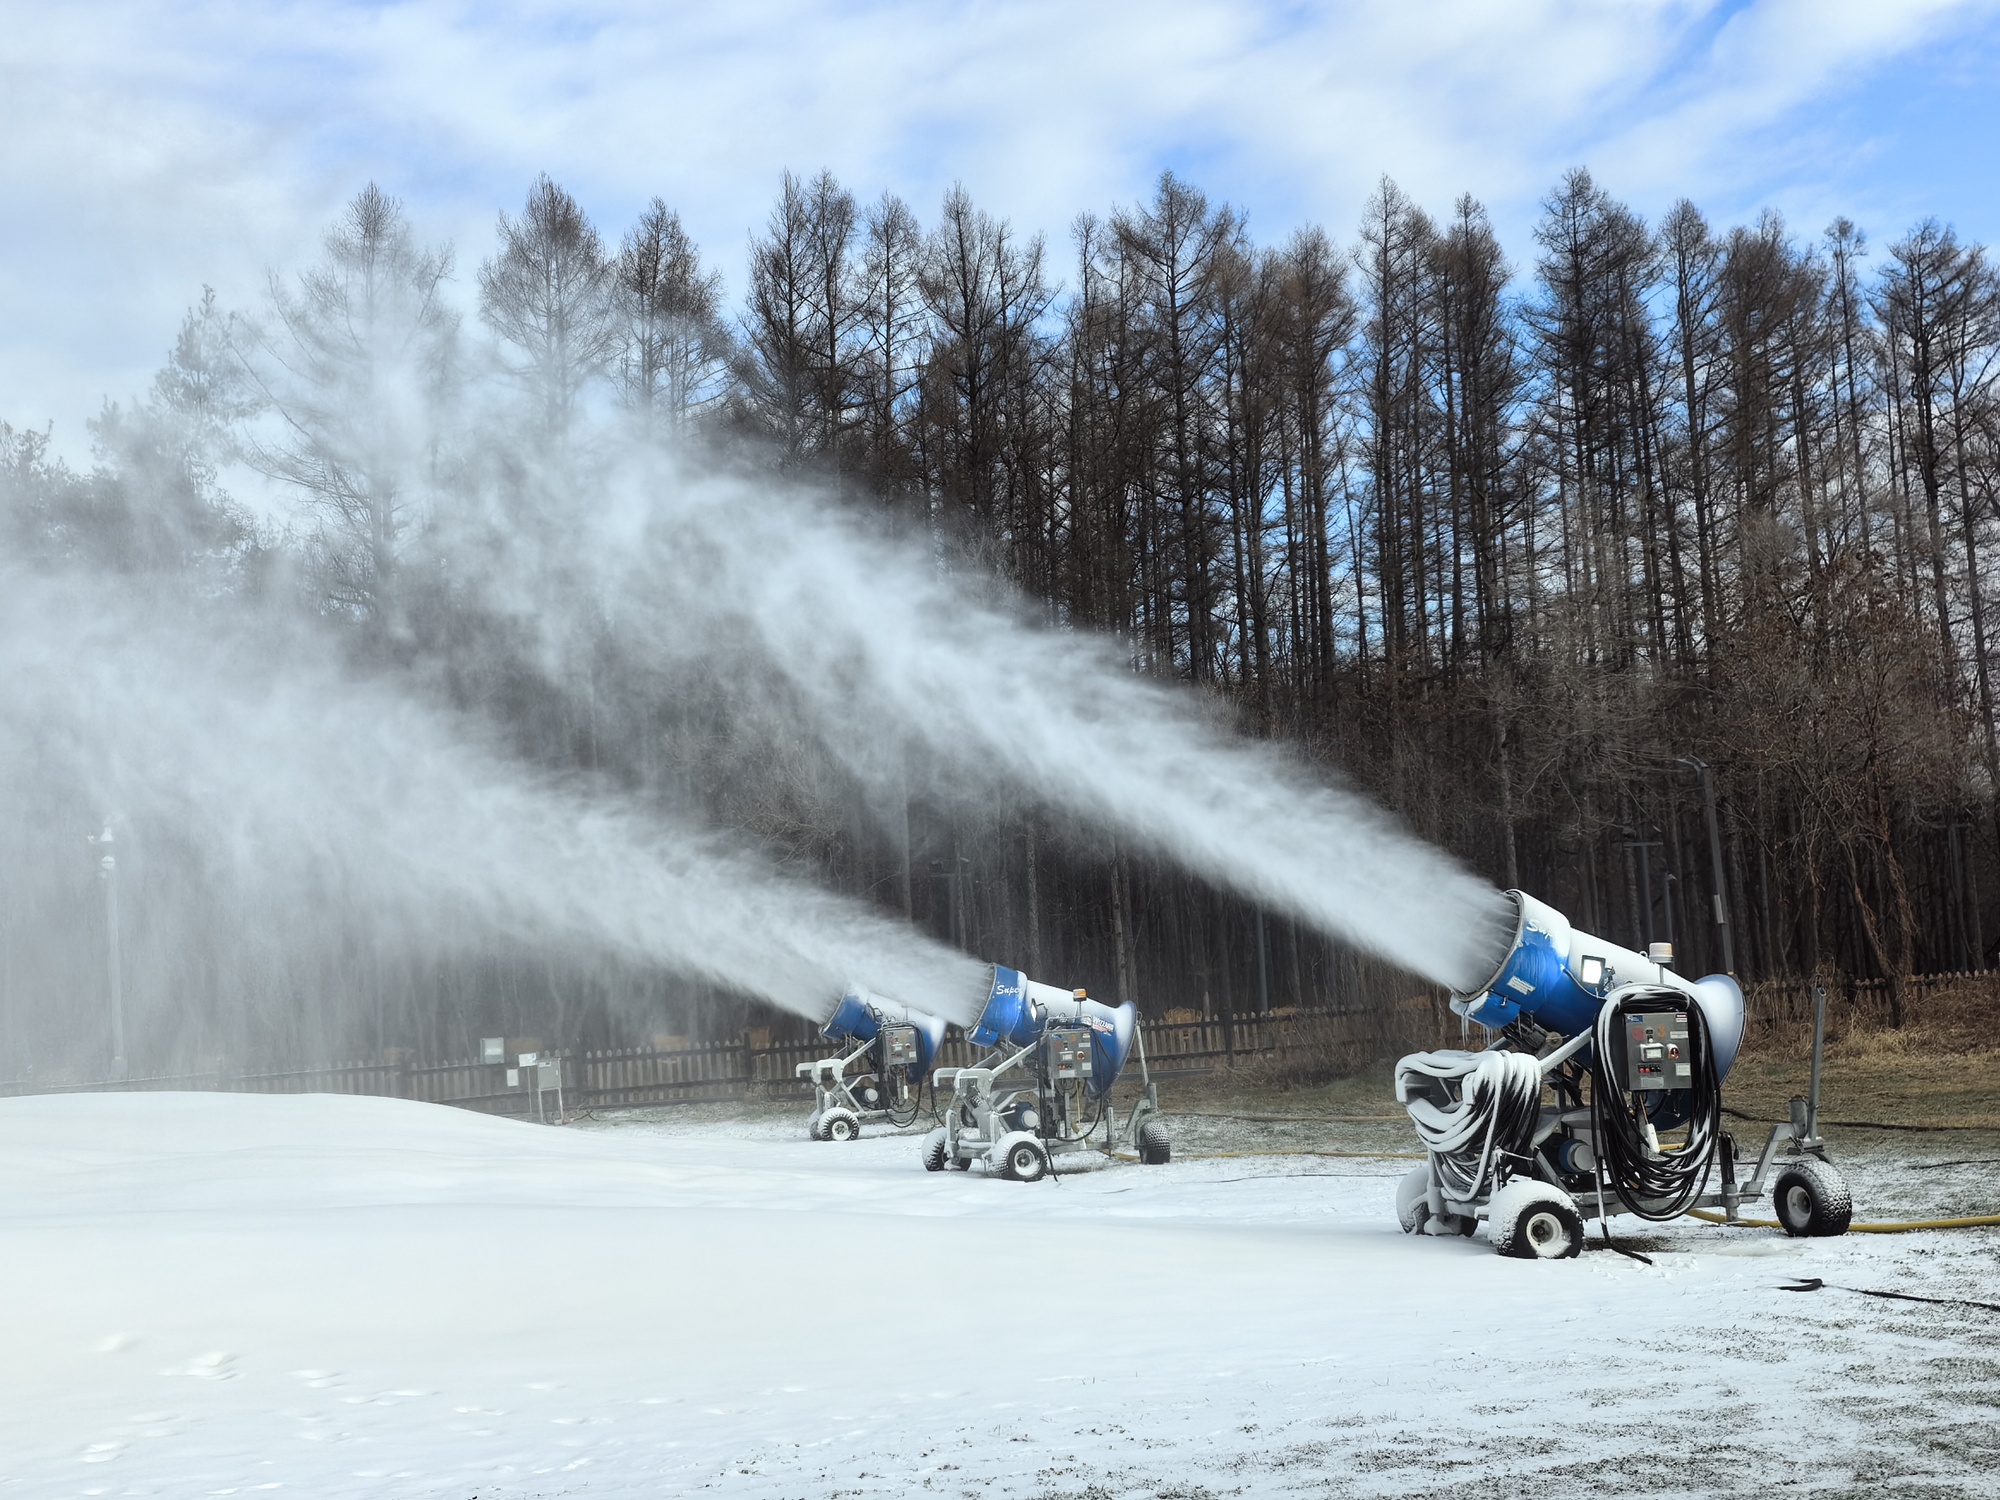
[756, 1064]
[751, 1064]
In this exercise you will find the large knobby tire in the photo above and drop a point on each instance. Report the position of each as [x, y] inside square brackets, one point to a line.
[839, 1125]
[1532, 1221]
[1156, 1149]
[813, 1126]
[1413, 1200]
[1026, 1162]
[1812, 1199]
[934, 1145]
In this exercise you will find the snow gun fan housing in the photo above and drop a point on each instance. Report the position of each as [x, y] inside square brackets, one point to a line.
[861, 1016]
[1019, 1012]
[1600, 1056]
[888, 1051]
[1557, 978]
[1044, 1086]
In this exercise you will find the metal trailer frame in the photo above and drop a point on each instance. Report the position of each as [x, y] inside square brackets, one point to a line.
[835, 1099]
[976, 1130]
[1454, 1217]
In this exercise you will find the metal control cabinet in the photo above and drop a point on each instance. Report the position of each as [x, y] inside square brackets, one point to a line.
[1657, 1055]
[1069, 1052]
[899, 1046]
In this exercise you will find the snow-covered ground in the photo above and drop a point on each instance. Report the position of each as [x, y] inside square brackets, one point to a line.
[325, 1296]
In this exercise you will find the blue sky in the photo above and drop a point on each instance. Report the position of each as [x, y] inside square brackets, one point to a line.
[147, 150]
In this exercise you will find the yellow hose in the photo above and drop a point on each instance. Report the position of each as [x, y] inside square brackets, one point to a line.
[1229, 1157]
[1981, 1221]
[1361, 1157]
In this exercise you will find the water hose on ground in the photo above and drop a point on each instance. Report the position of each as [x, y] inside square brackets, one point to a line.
[1910, 1226]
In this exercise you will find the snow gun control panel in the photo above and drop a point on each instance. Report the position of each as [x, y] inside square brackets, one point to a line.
[899, 1046]
[1069, 1051]
[1656, 1051]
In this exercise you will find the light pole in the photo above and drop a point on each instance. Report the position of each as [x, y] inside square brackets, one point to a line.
[1263, 970]
[1697, 764]
[107, 872]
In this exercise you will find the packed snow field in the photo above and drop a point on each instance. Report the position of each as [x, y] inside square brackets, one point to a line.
[328, 1296]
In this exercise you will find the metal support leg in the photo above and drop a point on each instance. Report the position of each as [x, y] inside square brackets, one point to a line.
[1812, 1141]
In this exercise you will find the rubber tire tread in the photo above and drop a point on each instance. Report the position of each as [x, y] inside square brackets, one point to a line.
[1832, 1207]
[1516, 1204]
[1041, 1157]
[1156, 1147]
[1413, 1203]
[934, 1145]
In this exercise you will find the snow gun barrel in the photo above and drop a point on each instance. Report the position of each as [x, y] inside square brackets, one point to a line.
[1558, 978]
[862, 1014]
[1019, 1012]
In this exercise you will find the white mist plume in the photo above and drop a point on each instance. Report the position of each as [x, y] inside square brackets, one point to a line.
[885, 650]
[280, 790]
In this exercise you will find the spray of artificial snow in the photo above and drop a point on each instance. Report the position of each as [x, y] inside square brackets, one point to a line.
[884, 651]
[271, 801]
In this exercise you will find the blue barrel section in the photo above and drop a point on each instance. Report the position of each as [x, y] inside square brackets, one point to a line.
[1535, 980]
[1008, 1016]
[854, 1019]
[1111, 1031]
[930, 1037]
[860, 1017]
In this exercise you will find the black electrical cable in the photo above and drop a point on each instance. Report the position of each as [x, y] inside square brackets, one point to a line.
[1652, 1182]
[1814, 1284]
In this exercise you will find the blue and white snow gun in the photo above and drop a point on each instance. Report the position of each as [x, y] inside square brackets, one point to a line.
[1601, 1055]
[1045, 1084]
[1557, 978]
[890, 1048]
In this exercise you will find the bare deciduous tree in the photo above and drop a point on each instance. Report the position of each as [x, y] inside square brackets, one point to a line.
[547, 294]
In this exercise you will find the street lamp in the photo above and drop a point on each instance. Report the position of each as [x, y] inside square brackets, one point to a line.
[1697, 764]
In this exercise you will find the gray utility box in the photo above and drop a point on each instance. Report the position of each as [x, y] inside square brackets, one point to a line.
[1069, 1051]
[1657, 1055]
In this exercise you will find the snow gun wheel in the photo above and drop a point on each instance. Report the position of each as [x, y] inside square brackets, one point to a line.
[1812, 1200]
[1413, 1203]
[934, 1151]
[1156, 1149]
[1532, 1221]
[839, 1125]
[1023, 1159]
[814, 1126]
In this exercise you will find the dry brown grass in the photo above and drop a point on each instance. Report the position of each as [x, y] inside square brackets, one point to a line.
[1941, 1067]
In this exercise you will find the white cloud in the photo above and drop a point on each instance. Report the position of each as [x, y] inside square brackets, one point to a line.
[145, 150]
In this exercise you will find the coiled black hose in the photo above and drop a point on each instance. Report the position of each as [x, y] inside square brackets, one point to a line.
[1651, 1181]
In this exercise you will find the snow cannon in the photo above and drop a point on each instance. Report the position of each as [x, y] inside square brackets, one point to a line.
[1021, 1012]
[1598, 1092]
[889, 1049]
[1557, 978]
[1043, 1087]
